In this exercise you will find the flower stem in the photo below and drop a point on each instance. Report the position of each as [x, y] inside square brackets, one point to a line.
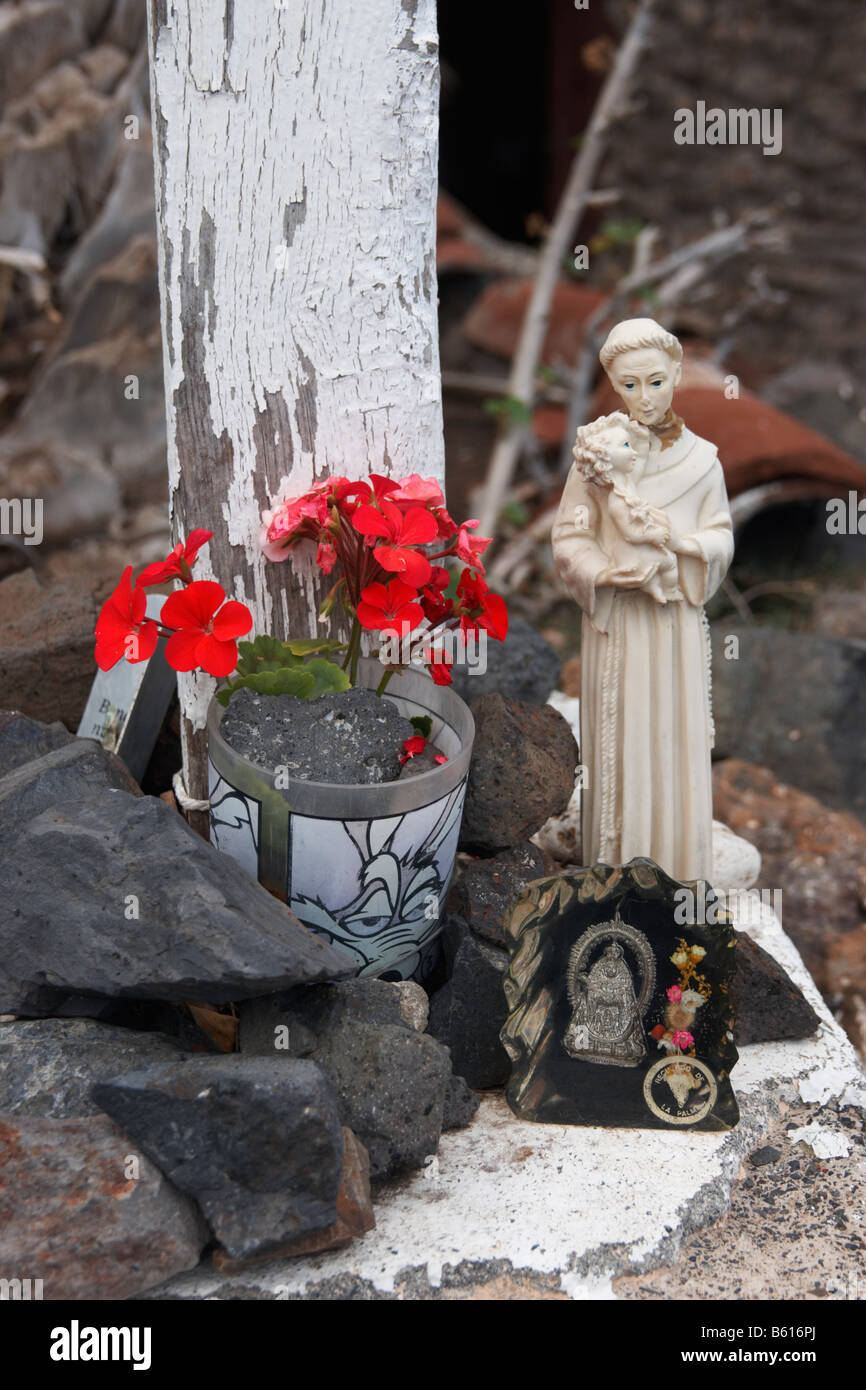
[380, 688]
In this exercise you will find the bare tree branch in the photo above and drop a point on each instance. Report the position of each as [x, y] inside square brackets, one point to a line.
[521, 385]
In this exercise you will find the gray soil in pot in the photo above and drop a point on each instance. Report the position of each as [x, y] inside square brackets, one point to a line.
[350, 738]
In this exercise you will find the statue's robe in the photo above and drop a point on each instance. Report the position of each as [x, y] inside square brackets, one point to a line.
[645, 717]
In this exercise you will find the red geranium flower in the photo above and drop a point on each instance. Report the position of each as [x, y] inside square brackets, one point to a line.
[390, 607]
[122, 629]
[176, 565]
[471, 548]
[206, 632]
[474, 594]
[416, 527]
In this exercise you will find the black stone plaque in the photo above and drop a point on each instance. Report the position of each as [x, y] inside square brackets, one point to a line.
[619, 1001]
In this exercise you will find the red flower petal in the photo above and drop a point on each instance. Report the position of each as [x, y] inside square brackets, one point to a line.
[217, 658]
[495, 616]
[376, 594]
[419, 527]
[400, 594]
[109, 650]
[370, 616]
[193, 606]
[371, 522]
[382, 484]
[144, 641]
[160, 572]
[404, 620]
[233, 620]
[441, 673]
[194, 542]
[415, 567]
[181, 650]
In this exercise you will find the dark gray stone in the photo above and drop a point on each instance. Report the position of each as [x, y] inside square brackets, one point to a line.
[768, 1006]
[487, 888]
[71, 775]
[524, 667]
[522, 772]
[204, 929]
[256, 1141]
[468, 1012]
[353, 737]
[391, 1080]
[796, 704]
[23, 739]
[48, 1065]
[460, 1104]
[759, 1158]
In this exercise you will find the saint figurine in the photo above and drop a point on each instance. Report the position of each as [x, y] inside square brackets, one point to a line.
[606, 1026]
[642, 540]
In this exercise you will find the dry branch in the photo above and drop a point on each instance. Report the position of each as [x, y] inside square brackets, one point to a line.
[521, 384]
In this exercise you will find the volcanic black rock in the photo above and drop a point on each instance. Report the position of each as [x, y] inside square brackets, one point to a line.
[256, 1141]
[48, 1065]
[768, 1006]
[487, 888]
[468, 1012]
[391, 1080]
[522, 772]
[523, 667]
[120, 898]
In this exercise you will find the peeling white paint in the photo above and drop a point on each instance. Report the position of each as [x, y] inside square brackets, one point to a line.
[824, 1143]
[296, 166]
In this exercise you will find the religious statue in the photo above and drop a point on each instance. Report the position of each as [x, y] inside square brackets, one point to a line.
[606, 1024]
[642, 539]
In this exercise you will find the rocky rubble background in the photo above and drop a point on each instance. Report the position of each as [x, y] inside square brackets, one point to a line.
[82, 423]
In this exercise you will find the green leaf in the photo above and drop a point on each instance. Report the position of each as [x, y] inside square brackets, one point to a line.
[305, 646]
[616, 231]
[288, 680]
[516, 513]
[515, 411]
[327, 677]
[422, 724]
[269, 654]
[306, 680]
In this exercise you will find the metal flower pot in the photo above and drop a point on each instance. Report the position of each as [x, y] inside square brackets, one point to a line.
[366, 866]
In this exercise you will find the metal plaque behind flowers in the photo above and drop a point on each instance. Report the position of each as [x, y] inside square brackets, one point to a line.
[619, 997]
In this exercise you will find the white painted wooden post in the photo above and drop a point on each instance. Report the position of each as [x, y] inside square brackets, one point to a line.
[296, 170]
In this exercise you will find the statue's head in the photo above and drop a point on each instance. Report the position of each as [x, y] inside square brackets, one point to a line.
[644, 365]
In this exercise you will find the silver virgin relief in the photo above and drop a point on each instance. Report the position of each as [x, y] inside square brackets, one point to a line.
[611, 978]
